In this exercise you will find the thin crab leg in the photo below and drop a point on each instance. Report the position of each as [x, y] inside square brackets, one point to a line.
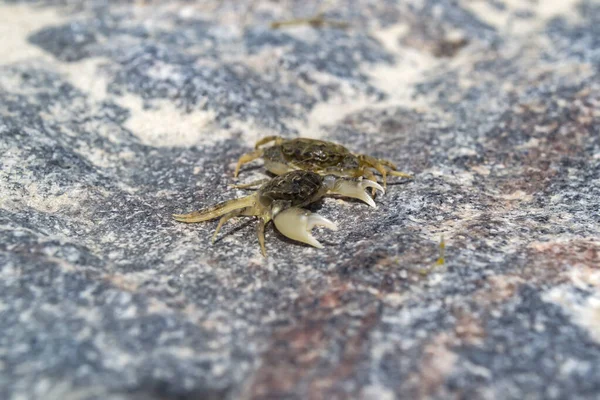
[384, 167]
[246, 158]
[260, 231]
[387, 163]
[356, 189]
[251, 184]
[268, 139]
[224, 219]
[393, 170]
[400, 174]
[216, 210]
[374, 163]
[296, 223]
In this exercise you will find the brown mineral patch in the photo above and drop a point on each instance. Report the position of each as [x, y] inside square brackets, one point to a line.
[546, 264]
[295, 350]
[435, 40]
[497, 289]
[122, 282]
[351, 356]
[533, 174]
[436, 364]
[330, 298]
[449, 46]
[292, 354]
[577, 253]
[469, 329]
[553, 262]
[517, 195]
[556, 129]
[408, 268]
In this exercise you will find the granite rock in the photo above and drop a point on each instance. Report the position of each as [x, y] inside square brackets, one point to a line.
[114, 115]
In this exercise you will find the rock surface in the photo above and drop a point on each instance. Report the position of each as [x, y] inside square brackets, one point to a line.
[114, 115]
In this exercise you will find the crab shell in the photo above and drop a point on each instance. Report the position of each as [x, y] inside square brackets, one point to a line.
[311, 155]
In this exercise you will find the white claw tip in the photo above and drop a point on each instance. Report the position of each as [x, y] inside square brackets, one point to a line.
[315, 243]
[370, 201]
[372, 184]
[297, 224]
[317, 220]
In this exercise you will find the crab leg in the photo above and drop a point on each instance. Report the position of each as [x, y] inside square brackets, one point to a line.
[260, 231]
[393, 170]
[387, 163]
[268, 139]
[217, 210]
[400, 174]
[384, 167]
[251, 184]
[296, 223]
[246, 158]
[223, 220]
[374, 163]
[356, 189]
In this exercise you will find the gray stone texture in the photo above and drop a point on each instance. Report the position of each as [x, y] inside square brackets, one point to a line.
[114, 115]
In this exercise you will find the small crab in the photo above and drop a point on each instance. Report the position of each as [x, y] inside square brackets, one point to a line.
[317, 156]
[281, 200]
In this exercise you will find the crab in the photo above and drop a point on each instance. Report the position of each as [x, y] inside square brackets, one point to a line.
[317, 156]
[282, 199]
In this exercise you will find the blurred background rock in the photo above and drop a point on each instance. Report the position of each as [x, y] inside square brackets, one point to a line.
[114, 115]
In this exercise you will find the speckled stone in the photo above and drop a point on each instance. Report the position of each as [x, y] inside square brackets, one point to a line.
[114, 115]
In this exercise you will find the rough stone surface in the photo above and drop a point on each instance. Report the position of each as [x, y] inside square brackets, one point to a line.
[113, 115]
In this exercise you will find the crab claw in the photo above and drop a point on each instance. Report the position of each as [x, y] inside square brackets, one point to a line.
[296, 223]
[367, 183]
[356, 189]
